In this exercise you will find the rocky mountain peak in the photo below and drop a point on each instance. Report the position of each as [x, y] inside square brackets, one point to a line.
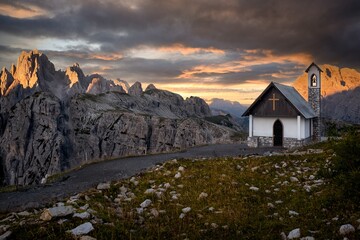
[124, 84]
[150, 87]
[31, 66]
[6, 79]
[333, 80]
[12, 69]
[136, 89]
[76, 75]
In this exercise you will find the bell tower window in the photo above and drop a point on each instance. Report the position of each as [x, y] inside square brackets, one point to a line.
[313, 80]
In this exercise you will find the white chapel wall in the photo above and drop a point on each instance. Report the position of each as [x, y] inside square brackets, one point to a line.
[264, 127]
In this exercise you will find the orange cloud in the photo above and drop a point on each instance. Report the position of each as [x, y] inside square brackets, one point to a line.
[178, 47]
[27, 11]
[253, 58]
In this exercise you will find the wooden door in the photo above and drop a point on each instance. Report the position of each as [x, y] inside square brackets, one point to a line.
[278, 133]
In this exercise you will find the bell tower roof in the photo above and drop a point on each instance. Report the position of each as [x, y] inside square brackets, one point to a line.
[313, 64]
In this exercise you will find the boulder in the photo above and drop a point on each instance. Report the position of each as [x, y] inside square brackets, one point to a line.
[82, 229]
[54, 212]
[293, 234]
[346, 229]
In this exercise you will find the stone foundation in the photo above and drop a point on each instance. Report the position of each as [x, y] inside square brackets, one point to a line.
[268, 142]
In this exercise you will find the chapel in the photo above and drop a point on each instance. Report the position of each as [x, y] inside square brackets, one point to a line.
[281, 117]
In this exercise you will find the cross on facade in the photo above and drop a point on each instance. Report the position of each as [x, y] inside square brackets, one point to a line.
[274, 99]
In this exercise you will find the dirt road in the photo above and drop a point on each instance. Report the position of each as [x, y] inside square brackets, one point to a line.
[90, 175]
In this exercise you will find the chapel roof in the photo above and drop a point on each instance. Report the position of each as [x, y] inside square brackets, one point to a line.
[313, 64]
[293, 96]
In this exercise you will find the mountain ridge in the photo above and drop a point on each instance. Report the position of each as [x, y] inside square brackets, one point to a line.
[53, 120]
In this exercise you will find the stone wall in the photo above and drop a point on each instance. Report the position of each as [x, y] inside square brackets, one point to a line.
[314, 101]
[268, 142]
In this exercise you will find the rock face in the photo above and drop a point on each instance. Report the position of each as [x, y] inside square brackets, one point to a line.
[340, 91]
[51, 120]
[136, 89]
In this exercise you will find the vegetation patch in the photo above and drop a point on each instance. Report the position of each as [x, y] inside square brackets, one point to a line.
[221, 198]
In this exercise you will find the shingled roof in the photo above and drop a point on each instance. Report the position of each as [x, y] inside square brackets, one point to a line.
[294, 98]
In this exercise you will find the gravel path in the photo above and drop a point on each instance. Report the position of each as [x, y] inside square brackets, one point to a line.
[90, 175]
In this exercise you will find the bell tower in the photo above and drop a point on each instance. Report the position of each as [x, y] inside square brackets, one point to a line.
[314, 97]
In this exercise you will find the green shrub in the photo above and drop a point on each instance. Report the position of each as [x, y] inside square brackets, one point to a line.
[346, 169]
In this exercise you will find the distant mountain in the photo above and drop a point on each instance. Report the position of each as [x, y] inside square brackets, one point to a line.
[340, 92]
[222, 107]
[52, 120]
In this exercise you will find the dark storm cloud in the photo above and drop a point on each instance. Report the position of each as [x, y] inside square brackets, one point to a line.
[328, 30]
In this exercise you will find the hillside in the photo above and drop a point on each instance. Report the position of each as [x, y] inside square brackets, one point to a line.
[255, 197]
[223, 107]
[53, 120]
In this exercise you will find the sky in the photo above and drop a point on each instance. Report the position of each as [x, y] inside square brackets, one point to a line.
[230, 49]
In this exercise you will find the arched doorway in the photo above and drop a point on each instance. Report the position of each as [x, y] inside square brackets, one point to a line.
[278, 133]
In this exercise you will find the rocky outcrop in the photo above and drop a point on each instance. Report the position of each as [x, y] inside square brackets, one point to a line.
[6, 79]
[339, 90]
[33, 143]
[52, 120]
[150, 87]
[98, 85]
[333, 80]
[124, 84]
[197, 106]
[344, 106]
[55, 136]
[136, 89]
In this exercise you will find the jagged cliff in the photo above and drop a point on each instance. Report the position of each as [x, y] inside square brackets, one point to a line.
[53, 120]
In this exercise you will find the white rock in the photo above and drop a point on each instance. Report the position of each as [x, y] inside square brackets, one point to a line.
[182, 215]
[83, 215]
[307, 188]
[254, 189]
[211, 209]
[23, 214]
[149, 191]
[294, 234]
[270, 205]
[203, 195]
[278, 202]
[103, 186]
[167, 185]
[181, 169]
[123, 190]
[346, 229]
[293, 213]
[154, 212]
[177, 175]
[82, 229]
[61, 211]
[293, 179]
[307, 238]
[214, 225]
[139, 210]
[145, 203]
[311, 177]
[186, 210]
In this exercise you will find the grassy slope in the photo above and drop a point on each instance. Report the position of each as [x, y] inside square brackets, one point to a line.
[238, 212]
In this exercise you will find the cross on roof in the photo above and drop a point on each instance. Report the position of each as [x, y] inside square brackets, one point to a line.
[274, 99]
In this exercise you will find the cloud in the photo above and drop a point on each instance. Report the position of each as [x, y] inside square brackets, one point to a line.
[186, 41]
